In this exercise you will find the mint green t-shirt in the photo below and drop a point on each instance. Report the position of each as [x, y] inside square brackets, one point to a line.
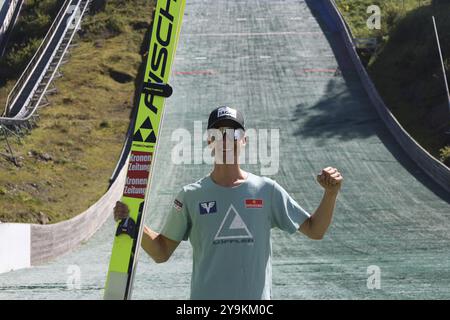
[229, 230]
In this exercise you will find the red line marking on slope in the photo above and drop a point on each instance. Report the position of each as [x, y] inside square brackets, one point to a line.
[321, 72]
[195, 73]
[318, 70]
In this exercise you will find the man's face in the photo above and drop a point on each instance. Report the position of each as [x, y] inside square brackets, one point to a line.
[227, 142]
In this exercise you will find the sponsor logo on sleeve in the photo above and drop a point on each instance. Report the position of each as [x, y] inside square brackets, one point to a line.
[208, 207]
[254, 203]
[178, 205]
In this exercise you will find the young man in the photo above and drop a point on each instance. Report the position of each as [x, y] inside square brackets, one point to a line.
[228, 215]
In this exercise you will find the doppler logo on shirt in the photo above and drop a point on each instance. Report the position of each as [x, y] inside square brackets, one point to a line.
[253, 203]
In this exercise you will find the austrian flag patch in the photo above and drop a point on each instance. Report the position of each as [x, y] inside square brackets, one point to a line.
[253, 203]
[178, 205]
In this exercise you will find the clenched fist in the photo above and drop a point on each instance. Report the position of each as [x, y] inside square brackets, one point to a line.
[330, 179]
[121, 211]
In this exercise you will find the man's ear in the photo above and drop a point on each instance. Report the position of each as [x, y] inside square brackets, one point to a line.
[244, 141]
[210, 144]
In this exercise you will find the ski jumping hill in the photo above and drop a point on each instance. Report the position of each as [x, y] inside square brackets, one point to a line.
[288, 65]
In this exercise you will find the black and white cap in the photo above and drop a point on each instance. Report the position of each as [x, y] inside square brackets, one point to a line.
[226, 113]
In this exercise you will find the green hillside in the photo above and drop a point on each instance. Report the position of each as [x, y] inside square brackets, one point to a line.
[66, 162]
[406, 68]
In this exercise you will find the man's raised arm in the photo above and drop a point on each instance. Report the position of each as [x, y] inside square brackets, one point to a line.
[317, 225]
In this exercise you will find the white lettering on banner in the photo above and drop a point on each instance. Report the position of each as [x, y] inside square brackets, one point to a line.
[140, 158]
[138, 167]
[136, 181]
[133, 190]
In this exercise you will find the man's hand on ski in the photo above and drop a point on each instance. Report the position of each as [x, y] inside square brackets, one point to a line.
[121, 211]
[330, 179]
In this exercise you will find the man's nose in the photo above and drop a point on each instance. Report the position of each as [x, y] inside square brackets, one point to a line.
[226, 137]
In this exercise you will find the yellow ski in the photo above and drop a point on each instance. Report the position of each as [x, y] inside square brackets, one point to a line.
[165, 30]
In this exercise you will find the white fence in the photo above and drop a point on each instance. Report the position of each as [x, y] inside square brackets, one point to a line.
[25, 245]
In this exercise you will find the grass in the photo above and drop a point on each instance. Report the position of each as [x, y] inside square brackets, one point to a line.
[406, 68]
[66, 162]
[392, 11]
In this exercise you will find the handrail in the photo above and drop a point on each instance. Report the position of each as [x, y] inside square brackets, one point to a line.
[44, 72]
[8, 18]
[26, 114]
[32, 64]
[4, 13]
[4, 10]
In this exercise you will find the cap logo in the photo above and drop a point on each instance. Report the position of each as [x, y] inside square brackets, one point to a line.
[225, 111]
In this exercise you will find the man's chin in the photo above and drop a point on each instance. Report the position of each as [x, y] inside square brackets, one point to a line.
[224, 160]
